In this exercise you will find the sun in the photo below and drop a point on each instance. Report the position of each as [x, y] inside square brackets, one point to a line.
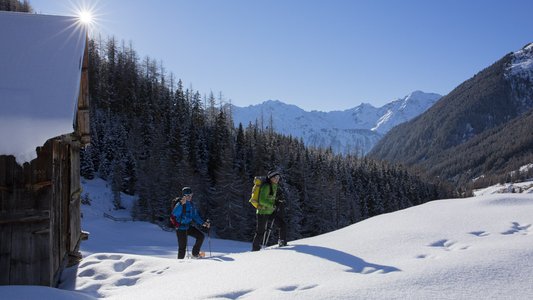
[86, 17]
[86, 13]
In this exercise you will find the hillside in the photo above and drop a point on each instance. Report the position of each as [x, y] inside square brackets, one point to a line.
[491, 157]
[473, 248]
[442, 138]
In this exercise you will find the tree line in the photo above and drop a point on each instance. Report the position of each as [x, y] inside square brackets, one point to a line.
[15, 5]
[151, 136]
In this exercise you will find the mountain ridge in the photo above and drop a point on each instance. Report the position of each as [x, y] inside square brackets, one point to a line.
[441, 139]
[355, 130]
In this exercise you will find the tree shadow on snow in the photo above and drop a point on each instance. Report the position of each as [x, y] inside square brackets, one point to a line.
[356, 264]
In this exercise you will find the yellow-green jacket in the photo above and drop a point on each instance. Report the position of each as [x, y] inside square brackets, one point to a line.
[267, 199]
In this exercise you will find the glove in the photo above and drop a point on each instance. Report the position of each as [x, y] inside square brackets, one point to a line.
[206, 224]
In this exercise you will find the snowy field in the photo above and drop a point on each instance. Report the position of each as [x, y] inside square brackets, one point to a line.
[474, 248]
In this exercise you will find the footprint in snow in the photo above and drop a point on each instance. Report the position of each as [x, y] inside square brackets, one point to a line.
[88, 263]
[479, 233]
[292, 288]
[123, 265]
[233, 295]
[428, 256]
[111, 257]
[289, 288]
[158, 272]
[517, 228]
[87, 273]
[127, 282]
[448, 245]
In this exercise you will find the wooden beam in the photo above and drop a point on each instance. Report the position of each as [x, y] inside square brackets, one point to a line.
[37, 186]
[28, 216]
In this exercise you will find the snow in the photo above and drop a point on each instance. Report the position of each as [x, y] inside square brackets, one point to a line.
[40, 69]
[473, 248]
[525, 187]
[522, 64]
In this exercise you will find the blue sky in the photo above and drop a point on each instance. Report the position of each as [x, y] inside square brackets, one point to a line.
[319, 55]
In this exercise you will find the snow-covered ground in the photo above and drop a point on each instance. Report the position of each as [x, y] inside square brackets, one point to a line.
[474, 248]
[525, 187]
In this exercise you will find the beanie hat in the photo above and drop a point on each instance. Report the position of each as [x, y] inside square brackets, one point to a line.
[186, 191]
[273, 173]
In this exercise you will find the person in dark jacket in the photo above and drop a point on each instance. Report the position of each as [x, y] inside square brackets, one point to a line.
[185, 213]
[269, 209]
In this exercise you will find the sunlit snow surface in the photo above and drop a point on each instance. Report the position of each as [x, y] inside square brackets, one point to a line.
[473, 248]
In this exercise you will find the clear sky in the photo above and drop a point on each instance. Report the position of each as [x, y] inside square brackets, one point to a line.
[320, 55]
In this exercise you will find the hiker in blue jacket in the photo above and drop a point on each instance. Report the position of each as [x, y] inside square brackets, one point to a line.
[185, 213]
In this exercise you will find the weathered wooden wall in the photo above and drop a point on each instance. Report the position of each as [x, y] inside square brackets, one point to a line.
[39, 214]
[83, 129]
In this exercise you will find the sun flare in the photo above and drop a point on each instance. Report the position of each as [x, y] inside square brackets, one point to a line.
[87, 14]
[86, 17]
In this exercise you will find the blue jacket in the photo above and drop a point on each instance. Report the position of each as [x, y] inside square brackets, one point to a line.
[185, 219]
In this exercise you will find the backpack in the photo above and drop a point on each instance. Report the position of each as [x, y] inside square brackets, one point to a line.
[258, 182]
[173, 220]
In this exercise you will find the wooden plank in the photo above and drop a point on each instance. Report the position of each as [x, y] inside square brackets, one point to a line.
[75, 202]
[27, 219]
[83, 126]
[39, 185]
[29, 263]
[65, 203]
[82, 115]
[5, 253]
[55, 229]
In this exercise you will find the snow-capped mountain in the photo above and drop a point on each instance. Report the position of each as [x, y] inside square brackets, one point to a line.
[354, 130]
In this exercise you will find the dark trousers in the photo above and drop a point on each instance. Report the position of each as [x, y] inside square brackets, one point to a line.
[263, 221]
[182, 241]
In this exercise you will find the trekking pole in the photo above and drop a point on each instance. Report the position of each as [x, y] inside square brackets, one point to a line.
[187, 243]
[209, 238]
[268, 229]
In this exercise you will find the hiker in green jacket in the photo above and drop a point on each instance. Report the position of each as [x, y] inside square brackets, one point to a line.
[268, 209]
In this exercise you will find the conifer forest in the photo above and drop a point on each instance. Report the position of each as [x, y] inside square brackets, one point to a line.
[151, 136]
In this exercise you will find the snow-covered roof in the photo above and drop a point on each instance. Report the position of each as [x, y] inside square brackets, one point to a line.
[40, 68]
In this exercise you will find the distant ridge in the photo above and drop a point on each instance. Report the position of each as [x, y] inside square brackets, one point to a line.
[354, 130]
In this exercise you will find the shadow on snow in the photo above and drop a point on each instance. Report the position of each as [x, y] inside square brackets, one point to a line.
[356, 264]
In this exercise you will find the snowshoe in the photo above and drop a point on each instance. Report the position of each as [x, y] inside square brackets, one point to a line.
[200, 255]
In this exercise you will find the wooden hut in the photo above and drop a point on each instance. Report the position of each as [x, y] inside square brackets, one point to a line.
[44, 121]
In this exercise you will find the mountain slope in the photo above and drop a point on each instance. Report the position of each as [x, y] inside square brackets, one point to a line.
[355, 130]
[492, 98]
[494, 155]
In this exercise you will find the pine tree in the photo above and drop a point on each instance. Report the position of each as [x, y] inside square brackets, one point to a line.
[86, 163]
